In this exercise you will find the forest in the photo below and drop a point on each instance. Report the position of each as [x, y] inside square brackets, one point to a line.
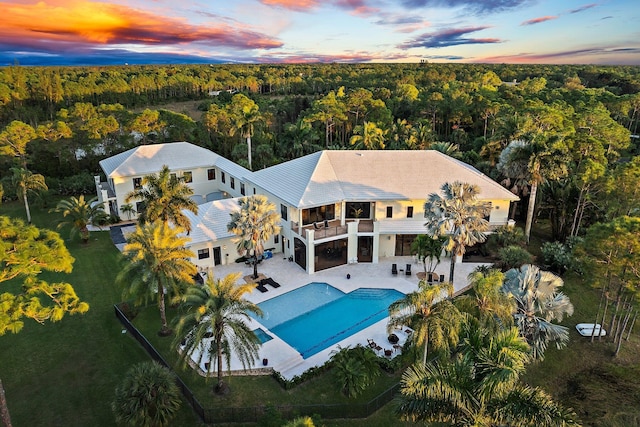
[579, 123]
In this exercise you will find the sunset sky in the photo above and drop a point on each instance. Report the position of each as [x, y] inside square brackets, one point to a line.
[80, 32]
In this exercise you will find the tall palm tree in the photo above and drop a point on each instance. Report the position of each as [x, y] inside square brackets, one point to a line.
[536, 162]
[218, 310]
[79, 213]
[485, 300]
[164, 197]
[538, 304]
[157, 263]
[25, 182]
[244, 115]
[430, 313]
[459, 216]
[148, 396]
[254, 223]
[479, 387]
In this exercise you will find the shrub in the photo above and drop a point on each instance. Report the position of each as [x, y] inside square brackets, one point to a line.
[558, 257]
[513, 257]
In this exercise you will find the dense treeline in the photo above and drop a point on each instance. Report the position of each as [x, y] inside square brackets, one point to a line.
[574, 122]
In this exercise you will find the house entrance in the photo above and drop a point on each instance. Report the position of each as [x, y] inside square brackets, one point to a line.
[403, 244]
[365, 248]
[331, 254]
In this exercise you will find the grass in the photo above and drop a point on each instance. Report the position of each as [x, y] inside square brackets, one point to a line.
[65, 373]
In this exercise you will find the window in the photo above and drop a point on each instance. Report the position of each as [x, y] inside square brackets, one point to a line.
[254, 190]
[409, 211]
[242, 188]
[211, 174]
[140, 207]
[358, 210]
[276, 238]
[187, 176]
[283, 212]
[233, 182]
[389, 211]
[489, 210]
[173, 176]
[137, 183]
[203, 253]
[223, 177]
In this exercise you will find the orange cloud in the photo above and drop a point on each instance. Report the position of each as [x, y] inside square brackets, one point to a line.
[539, 20]
[300, 5]
[95, 23]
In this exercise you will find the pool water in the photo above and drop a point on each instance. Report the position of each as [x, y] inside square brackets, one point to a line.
[262, 335]
[317, 316]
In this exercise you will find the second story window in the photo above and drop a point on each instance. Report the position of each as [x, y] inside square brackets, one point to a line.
[223, 177]
[137, 183]
[283, 212]
[242, 188]
[389, 211]
[233, 182]
[188, 176]
[409, 211]
[211, 174]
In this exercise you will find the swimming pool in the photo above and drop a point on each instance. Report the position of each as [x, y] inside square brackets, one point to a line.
[316, 316]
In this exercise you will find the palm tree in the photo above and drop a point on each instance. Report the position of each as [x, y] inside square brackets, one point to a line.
[355, 369]
[368, 136]
[245, 115]
[218, 310]
[79, 214]
[157, 263]
[485, 301]
[25, 182]
[148, 396]
[426, 247]
[459, 216]
[479, 387]
[534, 162]
[538, 304]
[254, 223]
[128, 210]
[164, 197]
[430, 313]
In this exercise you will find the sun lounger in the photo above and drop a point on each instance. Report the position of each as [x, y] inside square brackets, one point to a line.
[408, 270]
[270, 281]
[394, 269]
[260, 286]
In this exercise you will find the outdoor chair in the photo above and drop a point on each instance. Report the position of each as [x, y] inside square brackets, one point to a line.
[270, 281]
[326, 224]
[408, 270]
[394, 269]
[260, 286]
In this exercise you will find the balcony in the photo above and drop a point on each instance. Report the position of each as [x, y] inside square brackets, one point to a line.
[332, 228]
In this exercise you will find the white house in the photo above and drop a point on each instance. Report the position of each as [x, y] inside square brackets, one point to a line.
[337, 207]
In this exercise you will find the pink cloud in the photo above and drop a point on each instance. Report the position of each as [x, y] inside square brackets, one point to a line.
[539, 20]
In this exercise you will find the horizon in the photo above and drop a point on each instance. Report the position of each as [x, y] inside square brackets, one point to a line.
[158, 32]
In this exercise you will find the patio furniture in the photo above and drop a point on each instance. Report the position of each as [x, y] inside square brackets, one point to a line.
[388, 352]
[442, 277]
[316, 226]
[326, 224]
[408, 270]
[260, 286]
[393, 339]
[394, 269]
[271, 282]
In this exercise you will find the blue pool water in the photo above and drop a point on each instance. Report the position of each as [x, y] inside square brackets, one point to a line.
[262, 335]
[316, 316]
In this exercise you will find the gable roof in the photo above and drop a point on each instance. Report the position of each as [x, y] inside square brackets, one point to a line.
[148, 159]
[210, 223]
[331, 176]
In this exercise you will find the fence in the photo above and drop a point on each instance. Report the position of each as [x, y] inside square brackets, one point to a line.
[255, 413]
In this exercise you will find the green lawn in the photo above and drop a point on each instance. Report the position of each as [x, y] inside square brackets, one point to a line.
[64, 374]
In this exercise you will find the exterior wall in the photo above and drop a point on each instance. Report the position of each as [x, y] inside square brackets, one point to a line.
[399, 209]
[499, 212]
[387, 245]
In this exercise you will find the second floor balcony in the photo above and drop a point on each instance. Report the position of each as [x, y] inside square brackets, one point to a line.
[331, 228]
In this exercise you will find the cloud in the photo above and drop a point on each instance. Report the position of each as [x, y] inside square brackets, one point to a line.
[599, 55]
[482, 6]
[402, 23]
[583, 8]
[448, 37]
[297, 5]
[84, 23]
[356, 7]
[445, 57]
[539, 20]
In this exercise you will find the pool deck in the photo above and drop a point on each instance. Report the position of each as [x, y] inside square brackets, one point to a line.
[284, 358]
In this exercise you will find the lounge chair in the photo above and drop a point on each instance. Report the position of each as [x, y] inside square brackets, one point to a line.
[394, 269]
[373, 345]
[316, 226]
[260, 286]
[326, 224]
[270, 281]
[408, 270]
[442, 277]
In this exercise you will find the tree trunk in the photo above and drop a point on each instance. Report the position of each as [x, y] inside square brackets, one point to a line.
[255, 267]
[530, 209]
[452, 267]
[426, 348]
[4, 408]
[164, 330]
[26, 206]
[249, 151]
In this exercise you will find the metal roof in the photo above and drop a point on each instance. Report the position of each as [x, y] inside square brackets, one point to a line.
[210, 224]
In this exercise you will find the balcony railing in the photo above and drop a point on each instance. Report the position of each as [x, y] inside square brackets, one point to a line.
[332, 228]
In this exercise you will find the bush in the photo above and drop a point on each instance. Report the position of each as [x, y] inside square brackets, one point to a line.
[558, 257]
[513, 257]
